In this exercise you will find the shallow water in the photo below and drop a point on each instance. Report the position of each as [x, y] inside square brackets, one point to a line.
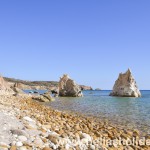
[127, 112]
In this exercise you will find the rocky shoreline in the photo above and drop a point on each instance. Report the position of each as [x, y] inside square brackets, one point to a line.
[27, 125]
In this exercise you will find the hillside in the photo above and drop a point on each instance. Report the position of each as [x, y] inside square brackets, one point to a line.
[32, 83]
[38, 85]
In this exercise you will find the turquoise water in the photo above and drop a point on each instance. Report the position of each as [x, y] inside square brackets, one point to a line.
[126, 112]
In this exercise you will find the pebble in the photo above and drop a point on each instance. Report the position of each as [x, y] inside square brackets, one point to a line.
[92, 147]
[22, 148]
[67, 146]
[86, 136]
[54, 138]
[13, 143]
[19, 144]
[47, 148]
[28, 119]
[31, 138]
[38, 142]
[22, 138]
[15, 135]
[44, 140]
[19, 132]
[54, 147]
[39, 135]
[85, 141]
[13, 147]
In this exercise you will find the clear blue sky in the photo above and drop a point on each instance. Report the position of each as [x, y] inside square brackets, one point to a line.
[91, 40]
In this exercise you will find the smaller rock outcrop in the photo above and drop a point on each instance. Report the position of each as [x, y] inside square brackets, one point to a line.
[98, 89]
[125, 86]
[17, 91]
[46, 97]
[68, 87]
[83, 87]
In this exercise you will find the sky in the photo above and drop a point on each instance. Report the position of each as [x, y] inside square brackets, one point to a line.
[91, 40]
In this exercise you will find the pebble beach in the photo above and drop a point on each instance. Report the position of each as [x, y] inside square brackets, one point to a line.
[29, 125]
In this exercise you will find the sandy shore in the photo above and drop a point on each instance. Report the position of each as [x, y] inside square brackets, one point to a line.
[26, 124]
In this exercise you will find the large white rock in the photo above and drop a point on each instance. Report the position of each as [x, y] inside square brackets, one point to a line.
[68, 87]
[125, 86]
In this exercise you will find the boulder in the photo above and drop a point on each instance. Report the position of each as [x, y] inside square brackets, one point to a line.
[46, 97]
[125, 86]
[68, 87]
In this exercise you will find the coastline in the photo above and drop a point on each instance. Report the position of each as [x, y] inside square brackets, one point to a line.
[45, 128]
[128, 113]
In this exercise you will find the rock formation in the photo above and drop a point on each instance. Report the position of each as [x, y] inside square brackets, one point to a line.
[83, 87]
[4, 87]
[46, 97]
[125, 86]
[17, 90]
[98, 89]
[68, 87]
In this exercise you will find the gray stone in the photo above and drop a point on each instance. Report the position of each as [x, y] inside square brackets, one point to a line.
[19, 132]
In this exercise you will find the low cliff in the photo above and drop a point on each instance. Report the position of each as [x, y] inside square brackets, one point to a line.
[33, 85]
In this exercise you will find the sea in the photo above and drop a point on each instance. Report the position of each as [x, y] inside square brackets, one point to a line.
[125, 112]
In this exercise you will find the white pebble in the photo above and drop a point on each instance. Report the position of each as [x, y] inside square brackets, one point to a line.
[19, 144]
[13, 143]
[53, 145]
[28, 119]
[85, 141]
[15, 135]
[4, 128]
[92, 147]
[22, 138]
[67, 146]
[87, 136]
